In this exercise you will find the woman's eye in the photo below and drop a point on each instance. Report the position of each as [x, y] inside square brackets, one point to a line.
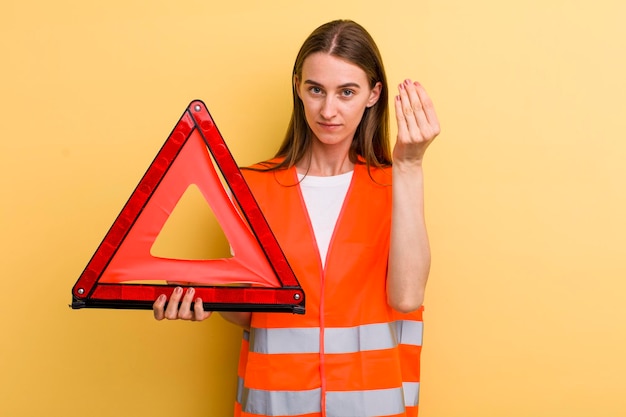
[315, 90]
[348, 93]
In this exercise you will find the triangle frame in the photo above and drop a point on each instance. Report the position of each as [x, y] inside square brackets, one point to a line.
[94, 290]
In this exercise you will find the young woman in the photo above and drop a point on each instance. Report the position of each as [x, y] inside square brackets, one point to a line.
[351, 224]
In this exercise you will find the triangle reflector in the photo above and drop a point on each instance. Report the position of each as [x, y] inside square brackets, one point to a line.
[257, 277]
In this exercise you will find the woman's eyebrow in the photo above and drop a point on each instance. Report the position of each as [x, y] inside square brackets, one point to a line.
[346, 85]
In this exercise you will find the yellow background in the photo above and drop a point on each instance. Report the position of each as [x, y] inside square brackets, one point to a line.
[525, 192]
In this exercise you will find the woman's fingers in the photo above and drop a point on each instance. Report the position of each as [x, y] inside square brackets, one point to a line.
[417, 111]
[428, 108]
[198, 310]
[184, 311]
[413, 111]
[159, 306]
[171, 311]
[180, 306]
[403, 130]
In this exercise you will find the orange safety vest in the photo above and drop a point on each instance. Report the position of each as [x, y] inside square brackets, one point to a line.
[350, 354]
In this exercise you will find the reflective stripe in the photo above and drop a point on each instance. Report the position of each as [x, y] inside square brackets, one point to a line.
[290, 340]
[337, 339]
[368, 403]
[278, 403]
[410, 332]
[239, 390]
[411, 393]
[359, 338]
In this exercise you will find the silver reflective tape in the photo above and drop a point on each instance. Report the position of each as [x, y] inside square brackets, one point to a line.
[410, 332]
[338, 402]
[291, 340]
[367, 337]
[367, 403]
[411, 393]
[239, 390]
[359, 338]
[280, 403]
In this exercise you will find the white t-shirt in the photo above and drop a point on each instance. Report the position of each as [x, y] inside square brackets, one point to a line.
[324, 198]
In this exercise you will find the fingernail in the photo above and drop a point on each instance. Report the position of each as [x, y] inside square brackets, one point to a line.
[190, 291]
[178, 290]
[162, 297]
[401, 86]
[417, 84]
[407, 81]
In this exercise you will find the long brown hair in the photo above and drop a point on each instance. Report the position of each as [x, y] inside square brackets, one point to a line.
[349, 41]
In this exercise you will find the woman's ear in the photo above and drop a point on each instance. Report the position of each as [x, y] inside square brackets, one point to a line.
[375, 94]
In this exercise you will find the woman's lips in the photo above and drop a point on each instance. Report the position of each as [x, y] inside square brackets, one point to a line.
[329, 126]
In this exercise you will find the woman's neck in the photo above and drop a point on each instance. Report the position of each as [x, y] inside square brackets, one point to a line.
[325, 164]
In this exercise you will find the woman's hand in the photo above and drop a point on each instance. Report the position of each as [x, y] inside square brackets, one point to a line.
[417, 123]
[185, 312]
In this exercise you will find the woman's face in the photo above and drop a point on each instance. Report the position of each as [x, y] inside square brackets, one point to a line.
[335, 94]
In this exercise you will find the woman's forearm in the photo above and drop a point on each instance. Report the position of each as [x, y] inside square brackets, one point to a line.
[409, 253]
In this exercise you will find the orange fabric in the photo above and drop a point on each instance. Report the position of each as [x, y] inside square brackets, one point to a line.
[343, 375]
[260, 373]
[349, 292]
[243, 358]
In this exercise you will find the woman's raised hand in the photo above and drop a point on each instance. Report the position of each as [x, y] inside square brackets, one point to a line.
[186, 311]
[417, 123]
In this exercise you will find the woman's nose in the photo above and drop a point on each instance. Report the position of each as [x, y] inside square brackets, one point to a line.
[329, 108]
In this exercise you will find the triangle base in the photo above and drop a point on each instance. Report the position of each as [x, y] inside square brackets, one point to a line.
[142, 296]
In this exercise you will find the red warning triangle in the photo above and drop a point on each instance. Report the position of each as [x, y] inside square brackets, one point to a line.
[124, 255]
